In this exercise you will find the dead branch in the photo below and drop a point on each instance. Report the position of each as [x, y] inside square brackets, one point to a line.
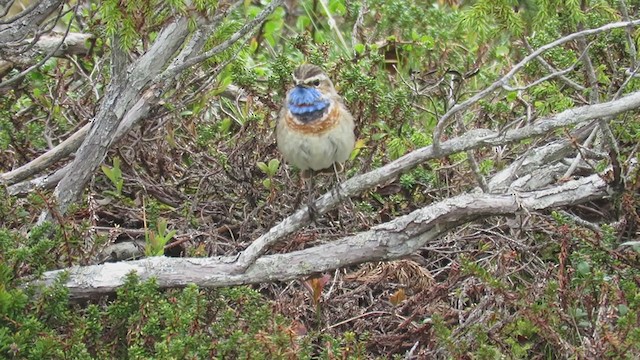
[134, 94]
[121, 95]
[47, 159]
[392, 240]
[55, 44]
[52, 50]
[473, 139]
[26, 22]
[500, 83]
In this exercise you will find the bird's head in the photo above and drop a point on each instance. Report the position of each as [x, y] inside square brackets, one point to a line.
[311, 76]
[312, 91]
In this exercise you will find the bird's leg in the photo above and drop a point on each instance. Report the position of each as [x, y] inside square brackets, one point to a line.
[313, 211]
[337, 169]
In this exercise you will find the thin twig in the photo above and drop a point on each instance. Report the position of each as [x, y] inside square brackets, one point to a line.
[550, 76]
[248, 27]
[551, 69]
[24, 73]
[443, 122]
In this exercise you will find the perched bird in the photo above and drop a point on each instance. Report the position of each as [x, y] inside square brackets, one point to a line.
[314, 130]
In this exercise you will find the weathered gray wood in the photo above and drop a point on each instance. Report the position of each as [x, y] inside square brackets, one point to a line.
[471, 140]
[58, 152]
[27, 21]
[123, 92]
[503, 82]
[131, 94]
[395, 239]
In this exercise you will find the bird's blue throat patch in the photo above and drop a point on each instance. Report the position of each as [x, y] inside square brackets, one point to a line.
[307, 103]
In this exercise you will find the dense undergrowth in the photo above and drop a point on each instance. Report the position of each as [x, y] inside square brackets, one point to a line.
[202, 177]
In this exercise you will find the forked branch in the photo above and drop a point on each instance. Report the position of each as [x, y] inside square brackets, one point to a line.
[392, 240]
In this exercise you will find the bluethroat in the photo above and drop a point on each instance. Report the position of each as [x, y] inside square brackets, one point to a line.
[315, 130]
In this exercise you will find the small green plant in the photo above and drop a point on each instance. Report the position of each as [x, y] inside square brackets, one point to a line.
[486, 166]
[143, 322]
[156, 241]
[365, 207]
[270, 170]
[114, 174]
[407, 181]
[397, 148]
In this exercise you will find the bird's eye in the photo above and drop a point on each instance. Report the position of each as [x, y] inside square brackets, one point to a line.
[315, 82]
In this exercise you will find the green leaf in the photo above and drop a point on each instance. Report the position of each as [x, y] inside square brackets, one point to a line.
[107, 171]
[502, 51]
[337, 7]
[263, 167]
[270, 27]
[360, 144]
[623, 309]
[170, 235]
[162, 226]
[427, 40]
[302, 22]
[225, 125]
[252, 11]
[396, 148]
[223, 84]
[36, 75]
[319, 37]
[253, 45]
[274, 164]
[583, 268]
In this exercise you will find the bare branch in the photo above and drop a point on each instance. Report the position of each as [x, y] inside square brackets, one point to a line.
[5, 6]
[583, 47]
[559, 73]
[392, 240]
[123, 92]
[72, 44]
[42, 182]
[471, 140]
[198, 38]
[12, 30]
[552, 70]
[52, 52]
[443, 122]
[47, 159]
[246, 28]
[628, 32]
[132, 93]
[579, 158]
